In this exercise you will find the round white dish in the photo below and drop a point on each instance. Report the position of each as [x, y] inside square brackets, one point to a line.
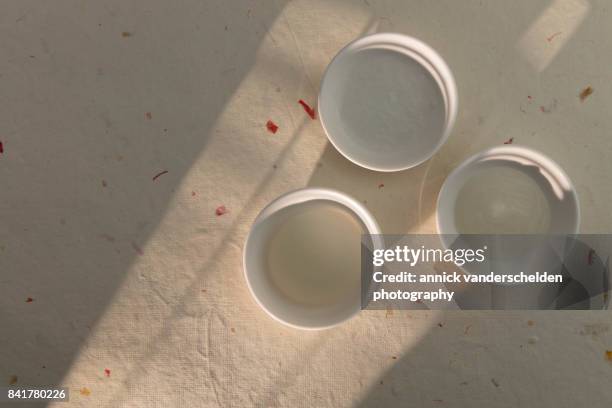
[266, 294]
[387, 102]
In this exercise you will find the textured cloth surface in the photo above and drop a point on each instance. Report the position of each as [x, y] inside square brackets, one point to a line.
[141, 277]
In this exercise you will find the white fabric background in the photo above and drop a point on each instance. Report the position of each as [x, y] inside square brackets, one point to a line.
[175, 324]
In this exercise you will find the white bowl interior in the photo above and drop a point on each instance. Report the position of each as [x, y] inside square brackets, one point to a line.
[387, 102]
[255, 262]
[555, 185]
[509, 254]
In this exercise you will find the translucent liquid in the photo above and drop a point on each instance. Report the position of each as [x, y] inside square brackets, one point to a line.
[391, 106]
[314, 256]
[502, 200]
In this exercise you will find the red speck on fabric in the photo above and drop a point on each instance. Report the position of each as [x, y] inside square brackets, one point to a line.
[29, 300]
[155, 177]
[381, 185]
[529, 97]
[193, 193]
[221, 210]
[307, 109]
[107, 372]
[550, 38]
[271, 126]
[590, 256]
[509, 141]
[148, 115]
[1, 148]
[136, 248]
